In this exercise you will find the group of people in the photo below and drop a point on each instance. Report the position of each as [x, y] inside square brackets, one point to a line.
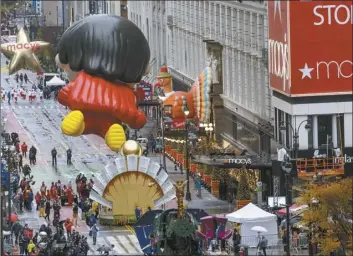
[14, 94]
[20, 78]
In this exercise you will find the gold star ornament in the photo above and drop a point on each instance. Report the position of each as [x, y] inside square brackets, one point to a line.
[24, 54]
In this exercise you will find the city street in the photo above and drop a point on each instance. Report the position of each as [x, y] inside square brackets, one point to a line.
[38, 124]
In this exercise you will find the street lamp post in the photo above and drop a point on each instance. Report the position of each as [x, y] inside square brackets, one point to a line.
[287, 168]
[295, 133]
[186, 112]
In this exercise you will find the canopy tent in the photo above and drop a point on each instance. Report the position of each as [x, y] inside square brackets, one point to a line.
[55, 81]
[250, 216]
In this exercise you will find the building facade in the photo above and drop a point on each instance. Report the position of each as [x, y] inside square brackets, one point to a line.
[79, 9]
[51, 12]
[310, 84]
[150, 17]
[177, 30]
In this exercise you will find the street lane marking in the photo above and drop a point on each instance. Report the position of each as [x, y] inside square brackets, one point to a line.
[26, 106]
[39, 106]
[126, 244]
[116, 244]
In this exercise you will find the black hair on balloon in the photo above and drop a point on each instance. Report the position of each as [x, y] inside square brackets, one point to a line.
[111, 47]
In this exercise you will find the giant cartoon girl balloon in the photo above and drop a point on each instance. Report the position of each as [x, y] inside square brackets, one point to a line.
[104, 57]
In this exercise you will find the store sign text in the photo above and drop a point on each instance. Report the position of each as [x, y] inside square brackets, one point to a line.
[346, 159]
[238, 161]
[332, 67]
[279, 60]
[19, 46]
[333, 14]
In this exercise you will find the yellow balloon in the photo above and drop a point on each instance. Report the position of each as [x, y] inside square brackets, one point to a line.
[23, 53]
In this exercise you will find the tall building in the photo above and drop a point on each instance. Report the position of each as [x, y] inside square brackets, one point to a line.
[150, 17]
[79, 9]
[177, 31]
[310, 69]
[51, 13]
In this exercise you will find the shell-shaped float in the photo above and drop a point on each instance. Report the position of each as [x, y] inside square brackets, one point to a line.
[133, 180]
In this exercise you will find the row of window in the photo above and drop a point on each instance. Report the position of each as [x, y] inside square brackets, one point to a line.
[326, 131]
[245, 81]
[187, 52]
[240, 28]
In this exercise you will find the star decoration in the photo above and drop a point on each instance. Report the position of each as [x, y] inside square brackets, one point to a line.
[23, 53]
[277, 7]
[306, 71]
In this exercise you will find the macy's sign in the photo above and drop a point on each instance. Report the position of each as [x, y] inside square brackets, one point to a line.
[238, 161]
[20, 46]
[333, 67]
[279, 59]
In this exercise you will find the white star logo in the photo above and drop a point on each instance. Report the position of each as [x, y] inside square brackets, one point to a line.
[278, 7]
[306, 71]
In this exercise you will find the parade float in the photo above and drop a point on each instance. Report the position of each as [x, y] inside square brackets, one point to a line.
[24, 54]
[134, 181]
[102, 76]
[197, 100]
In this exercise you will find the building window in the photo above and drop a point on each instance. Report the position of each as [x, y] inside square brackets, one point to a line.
[324, 123]
[340, 131]
[289, 131]
[310, 133]
[276, 125]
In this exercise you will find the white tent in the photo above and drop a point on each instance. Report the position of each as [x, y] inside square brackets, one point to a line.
[55, 81]
[250, 216]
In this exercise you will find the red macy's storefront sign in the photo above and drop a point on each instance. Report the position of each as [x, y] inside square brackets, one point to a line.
[310, 47]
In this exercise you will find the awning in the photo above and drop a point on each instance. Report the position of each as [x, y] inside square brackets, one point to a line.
[250, 162]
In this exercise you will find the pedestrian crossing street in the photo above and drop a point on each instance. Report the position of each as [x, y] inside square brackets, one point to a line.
[34, 106]
[123, 244]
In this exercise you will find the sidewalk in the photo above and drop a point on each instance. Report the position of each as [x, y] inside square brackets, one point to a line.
[208, 202]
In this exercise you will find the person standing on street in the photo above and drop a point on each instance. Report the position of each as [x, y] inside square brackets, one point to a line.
[94, 232]
[33, 151]
[47, 210]
[236, 241]
[26, 78]
[24, 149]
[9, 97]
[69, 155]
[75, 215]
[68, 226]
[17, 147]
[42, 206]
[21, 78]
[53, 156]
[37, 198]
[262, 245]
